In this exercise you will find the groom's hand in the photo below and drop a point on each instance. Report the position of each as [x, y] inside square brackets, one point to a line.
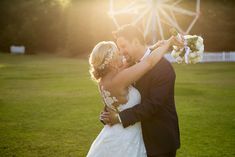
[110, 117]
[104, 117]
[101, 120]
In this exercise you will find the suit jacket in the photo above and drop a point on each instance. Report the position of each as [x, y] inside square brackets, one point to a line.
[156, 111]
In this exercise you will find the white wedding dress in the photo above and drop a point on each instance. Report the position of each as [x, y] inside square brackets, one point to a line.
[116, 141]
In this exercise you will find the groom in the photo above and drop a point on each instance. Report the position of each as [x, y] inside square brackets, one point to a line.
[156, 111]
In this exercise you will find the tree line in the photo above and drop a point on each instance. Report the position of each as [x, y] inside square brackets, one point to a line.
[75, 26]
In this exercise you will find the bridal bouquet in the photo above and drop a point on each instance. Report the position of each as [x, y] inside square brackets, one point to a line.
[192, 50]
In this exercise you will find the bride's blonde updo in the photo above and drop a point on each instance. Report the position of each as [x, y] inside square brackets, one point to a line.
[102, 54]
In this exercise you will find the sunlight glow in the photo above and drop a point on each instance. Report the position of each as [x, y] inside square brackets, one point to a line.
[64, 3]
[154, 15]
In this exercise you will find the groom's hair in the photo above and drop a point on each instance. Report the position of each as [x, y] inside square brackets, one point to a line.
[130, 32]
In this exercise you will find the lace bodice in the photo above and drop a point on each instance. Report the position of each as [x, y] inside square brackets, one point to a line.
[117, 141]
[108, 99]
[133, 98]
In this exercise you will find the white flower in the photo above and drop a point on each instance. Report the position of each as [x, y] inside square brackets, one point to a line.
[174, 54]
[199, 41]
[188, 37]
[201, 49]
[179, 60]
[194, 61]
[192, 55]
[193, 49]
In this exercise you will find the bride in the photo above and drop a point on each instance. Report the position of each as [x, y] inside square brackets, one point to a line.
[115, 79]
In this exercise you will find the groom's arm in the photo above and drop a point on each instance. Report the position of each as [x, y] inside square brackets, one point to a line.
[158, 95]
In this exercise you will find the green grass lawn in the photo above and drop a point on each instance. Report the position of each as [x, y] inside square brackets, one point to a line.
[50, 107]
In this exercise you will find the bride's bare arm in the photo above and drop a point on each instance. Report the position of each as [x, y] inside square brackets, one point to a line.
[129, 75]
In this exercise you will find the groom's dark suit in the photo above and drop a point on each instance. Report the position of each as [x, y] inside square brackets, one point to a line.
[156, 111]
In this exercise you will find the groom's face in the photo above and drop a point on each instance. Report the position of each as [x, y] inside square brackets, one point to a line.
[126, 48]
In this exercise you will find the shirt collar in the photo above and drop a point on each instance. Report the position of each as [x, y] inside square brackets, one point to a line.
[147, 52]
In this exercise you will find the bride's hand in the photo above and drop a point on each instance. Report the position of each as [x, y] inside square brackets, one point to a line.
[176, 41]
[158, 44]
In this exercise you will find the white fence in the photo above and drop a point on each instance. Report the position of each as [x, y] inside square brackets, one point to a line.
[17, 49]
[212, 57]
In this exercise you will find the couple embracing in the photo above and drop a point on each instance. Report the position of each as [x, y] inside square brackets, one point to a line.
[136, 83]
